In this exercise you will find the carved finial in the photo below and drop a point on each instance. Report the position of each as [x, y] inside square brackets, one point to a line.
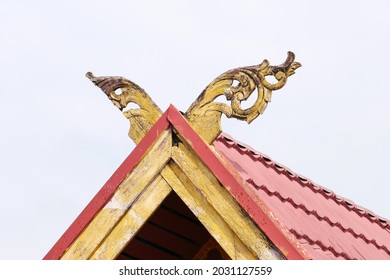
[142, 118]
[205, 115]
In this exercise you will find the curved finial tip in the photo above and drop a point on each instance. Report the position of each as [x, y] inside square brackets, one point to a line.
[90, 76]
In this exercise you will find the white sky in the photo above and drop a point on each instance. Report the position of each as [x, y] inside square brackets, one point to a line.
[61, 138]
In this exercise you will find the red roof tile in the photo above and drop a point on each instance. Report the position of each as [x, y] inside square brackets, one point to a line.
[326, 225]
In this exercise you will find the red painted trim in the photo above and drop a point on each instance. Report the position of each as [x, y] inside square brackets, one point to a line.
[107, 191]
[270, 228]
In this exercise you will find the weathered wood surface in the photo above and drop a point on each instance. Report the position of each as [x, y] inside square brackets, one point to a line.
[169, 167]
[122, 92]
[224, 204]
[207, 215]
[204, 114]
[126, 195]
[133, 220]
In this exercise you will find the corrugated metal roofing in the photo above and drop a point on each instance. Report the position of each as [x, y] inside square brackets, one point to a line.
[325, 224]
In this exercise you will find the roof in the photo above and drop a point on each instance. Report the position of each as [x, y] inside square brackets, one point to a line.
[173, 121]
[325, 224]
[251, 206]
[302, 219]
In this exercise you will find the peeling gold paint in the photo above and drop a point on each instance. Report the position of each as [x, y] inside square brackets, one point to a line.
[204, 114]
[142, 118]
[133, 220]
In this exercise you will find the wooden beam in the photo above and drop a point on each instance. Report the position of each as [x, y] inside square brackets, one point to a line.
[224, 204]
[205, 212]
[126, 195]
[126, 229]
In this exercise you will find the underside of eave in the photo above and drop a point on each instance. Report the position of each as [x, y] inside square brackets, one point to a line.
[173, 232]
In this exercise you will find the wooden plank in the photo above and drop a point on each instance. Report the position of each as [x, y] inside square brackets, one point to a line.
[206, 213]
[141, 250]
[127, 193]
[223, 203]
[168, 239]
[147, 202]
[187, 228]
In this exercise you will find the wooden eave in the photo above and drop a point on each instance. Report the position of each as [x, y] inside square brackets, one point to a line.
[172, 156]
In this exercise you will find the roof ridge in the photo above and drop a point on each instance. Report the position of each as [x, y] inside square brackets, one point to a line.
[321, 245]
[305, 182]
[320, 218]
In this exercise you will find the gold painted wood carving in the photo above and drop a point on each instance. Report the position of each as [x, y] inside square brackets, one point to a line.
[204, 115]
[121, 92]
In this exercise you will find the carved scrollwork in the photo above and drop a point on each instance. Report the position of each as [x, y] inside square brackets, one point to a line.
[205, 114]
[121, 92]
